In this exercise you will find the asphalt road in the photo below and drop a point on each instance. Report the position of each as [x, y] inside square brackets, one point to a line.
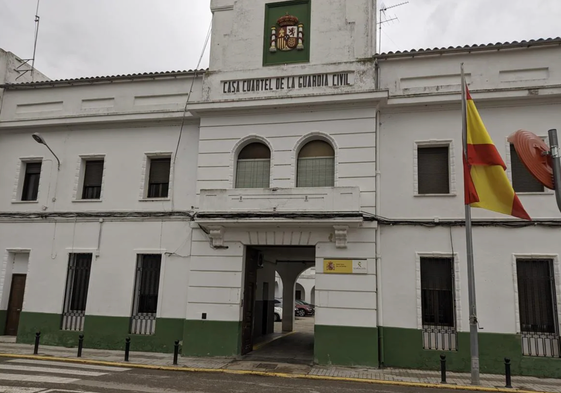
[33, 376]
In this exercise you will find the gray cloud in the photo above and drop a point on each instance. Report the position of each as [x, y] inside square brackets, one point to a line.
[107, 37]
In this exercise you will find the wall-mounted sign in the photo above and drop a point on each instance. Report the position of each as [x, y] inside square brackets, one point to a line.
[345, 266]
[339, 79]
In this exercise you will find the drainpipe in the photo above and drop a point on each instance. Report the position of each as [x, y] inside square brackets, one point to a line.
[378, 246]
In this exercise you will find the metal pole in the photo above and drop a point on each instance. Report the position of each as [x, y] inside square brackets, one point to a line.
[175, 352]
[80, 344]
[442, 369]
[127, 348]
[37, 338]
[508, 376]
[474, 343]
[555, 156]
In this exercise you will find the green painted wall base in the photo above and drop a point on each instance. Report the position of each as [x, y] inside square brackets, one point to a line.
[346, 346]
[211, 338]
[99, 333]
[404, 348]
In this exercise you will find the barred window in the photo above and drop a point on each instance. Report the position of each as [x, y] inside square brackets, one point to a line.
[316, 165]
[536, 299]
[437, 292]
[253, 168]
[147, 285]
[433, 168]
[76, 293]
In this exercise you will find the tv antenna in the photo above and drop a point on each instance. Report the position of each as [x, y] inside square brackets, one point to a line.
[387, 19]
[32, 60]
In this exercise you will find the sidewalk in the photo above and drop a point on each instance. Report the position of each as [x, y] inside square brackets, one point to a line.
[227, 365]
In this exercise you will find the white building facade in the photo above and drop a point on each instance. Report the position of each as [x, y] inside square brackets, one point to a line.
[299, 147]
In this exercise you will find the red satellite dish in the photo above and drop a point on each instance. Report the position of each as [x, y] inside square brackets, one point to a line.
[534, 154]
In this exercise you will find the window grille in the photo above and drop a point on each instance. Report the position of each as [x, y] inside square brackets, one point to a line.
[433, 170]
[538, 314]
[93, 175]
[437, 297]
[147, 283]
[76, 293]
[158, 181]
[316, 165]
[522, 179]
[254, 173]
[31, 181]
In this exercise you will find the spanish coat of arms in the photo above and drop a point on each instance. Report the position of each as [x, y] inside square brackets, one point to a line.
[287, 34]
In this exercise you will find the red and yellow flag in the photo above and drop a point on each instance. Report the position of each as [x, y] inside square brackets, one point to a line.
[485, 182]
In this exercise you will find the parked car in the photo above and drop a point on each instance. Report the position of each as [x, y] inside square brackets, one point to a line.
[303, 309]
[307, 304]
[278, 313]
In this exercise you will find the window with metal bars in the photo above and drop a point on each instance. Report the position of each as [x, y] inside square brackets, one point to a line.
[522, 179]
[31, 179]
[316, 165]
[147, 284]
[76, 293]
[433, 166]
[253, 168]
[158, 178]
[437, 298]
[93, 176]
[537, 306]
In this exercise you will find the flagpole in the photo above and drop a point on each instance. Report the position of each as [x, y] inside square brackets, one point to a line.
[474, 343]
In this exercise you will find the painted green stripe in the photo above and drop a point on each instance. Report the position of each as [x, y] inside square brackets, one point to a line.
[403, 348]
[211, 338]
[346, 346]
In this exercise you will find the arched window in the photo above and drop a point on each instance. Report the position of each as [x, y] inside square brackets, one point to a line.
[254, 166]
[316, 165]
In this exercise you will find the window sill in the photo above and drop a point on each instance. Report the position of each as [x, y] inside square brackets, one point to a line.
[548, 192]
[87, 200]
[155, 200]
[435, 195]
[24, 202]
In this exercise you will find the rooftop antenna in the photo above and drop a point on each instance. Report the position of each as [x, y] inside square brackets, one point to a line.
[25, 61]
[383, 10]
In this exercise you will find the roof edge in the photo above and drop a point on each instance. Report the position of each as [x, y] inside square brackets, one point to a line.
[470, 48]
[103, 79]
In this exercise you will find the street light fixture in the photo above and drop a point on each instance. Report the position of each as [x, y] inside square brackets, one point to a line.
[39, 139]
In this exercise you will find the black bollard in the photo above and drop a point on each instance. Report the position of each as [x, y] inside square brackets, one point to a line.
[127, 348]
[175, 352]
[507, 374]
[442, 369]
[37, 338]
[80, 344]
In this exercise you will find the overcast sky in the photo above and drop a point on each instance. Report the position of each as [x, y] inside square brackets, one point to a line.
[107, 37]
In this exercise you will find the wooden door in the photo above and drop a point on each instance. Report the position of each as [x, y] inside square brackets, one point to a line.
[249, 300]
[15, 304]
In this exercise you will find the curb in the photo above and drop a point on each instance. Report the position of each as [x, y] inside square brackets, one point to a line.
[270, 374]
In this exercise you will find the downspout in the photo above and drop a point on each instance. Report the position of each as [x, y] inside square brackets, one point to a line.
[377, 248]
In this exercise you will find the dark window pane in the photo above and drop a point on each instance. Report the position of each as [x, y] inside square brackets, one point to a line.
[433, 170]
[158, 182]
[93, 176]
[148, 282]
[78, 281]
[437, 291]
[31, 181]
[522, 179]
[535, 295]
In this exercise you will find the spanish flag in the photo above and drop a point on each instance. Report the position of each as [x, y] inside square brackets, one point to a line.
[485, 182]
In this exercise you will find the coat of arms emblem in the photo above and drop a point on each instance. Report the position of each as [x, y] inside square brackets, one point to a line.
[287, 34]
